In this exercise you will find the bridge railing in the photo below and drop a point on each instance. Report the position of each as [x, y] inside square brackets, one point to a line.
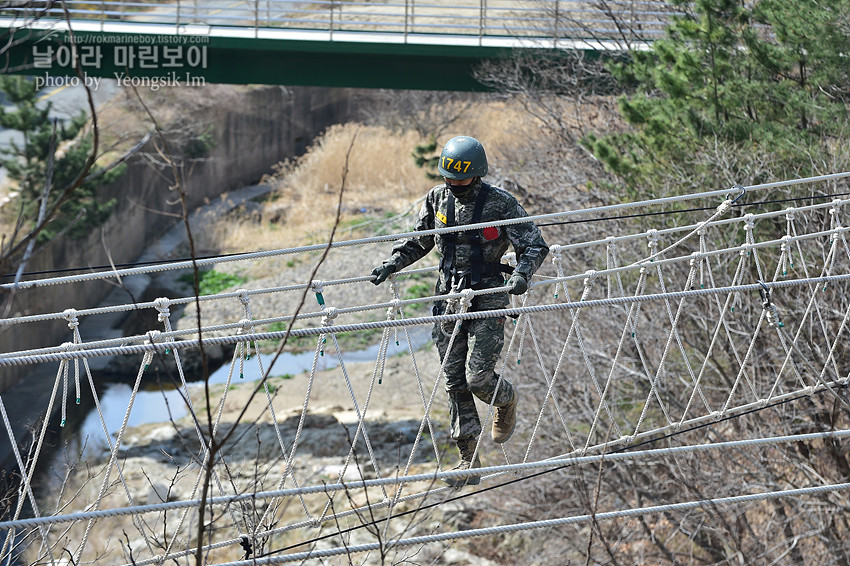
[643, 19]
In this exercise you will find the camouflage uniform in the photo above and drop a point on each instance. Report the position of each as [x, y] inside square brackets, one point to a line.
[470, 364]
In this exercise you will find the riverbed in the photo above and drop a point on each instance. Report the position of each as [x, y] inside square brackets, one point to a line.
[165, 404]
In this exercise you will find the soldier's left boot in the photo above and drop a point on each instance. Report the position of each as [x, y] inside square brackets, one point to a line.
[505, 420]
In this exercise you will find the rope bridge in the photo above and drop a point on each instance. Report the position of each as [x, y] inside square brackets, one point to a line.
[602, 348]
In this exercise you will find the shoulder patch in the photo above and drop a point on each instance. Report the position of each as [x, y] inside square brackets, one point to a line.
[442, 217]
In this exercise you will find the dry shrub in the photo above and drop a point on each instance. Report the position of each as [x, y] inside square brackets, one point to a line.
[381, 173]
[382, 178]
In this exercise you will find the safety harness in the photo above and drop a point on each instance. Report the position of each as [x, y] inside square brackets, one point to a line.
[478, 268]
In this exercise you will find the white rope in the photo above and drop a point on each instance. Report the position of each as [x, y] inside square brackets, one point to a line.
[24, 487]
[146, 359]
[550, 523]
[556, 249]
[21, 358]
[557, 462]
[36, 452]
[555, 402]
[551, 463]
[560, 280]
[414, 272]
[392, 237]
[629, 303]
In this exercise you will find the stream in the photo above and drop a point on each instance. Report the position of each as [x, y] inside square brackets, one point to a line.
[156, 405]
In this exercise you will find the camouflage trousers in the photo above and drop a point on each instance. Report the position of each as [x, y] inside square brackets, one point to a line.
[470, 371]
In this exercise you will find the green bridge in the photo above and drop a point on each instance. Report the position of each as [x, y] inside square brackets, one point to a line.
[401, 44]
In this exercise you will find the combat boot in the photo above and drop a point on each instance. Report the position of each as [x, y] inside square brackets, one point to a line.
[505, 421]
[467, 450]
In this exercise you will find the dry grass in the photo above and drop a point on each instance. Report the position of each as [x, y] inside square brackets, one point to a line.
[381, 180]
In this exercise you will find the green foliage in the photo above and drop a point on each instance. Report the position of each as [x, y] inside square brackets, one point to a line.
[424, 158]
[212, 282]
[742, 76]
[417, 291]
[27, 164]
[200, 145]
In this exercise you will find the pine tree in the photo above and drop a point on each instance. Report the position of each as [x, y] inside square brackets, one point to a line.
[424, 158]
[27, 162]
[770, 74]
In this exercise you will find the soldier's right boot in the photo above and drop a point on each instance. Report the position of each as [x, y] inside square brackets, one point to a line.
[466, 448]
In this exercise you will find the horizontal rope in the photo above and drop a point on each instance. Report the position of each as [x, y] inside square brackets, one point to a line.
[556, 251]
[385, 222]
[515, 527]
[718, 222]
[555, 248]
[429, 477]
[391, 237]
[75, 352]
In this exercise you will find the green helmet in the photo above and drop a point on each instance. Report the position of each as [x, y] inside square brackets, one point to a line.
[463, 157]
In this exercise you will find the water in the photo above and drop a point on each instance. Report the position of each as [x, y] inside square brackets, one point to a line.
[161, 405]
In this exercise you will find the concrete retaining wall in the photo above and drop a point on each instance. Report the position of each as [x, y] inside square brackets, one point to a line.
[253, 128]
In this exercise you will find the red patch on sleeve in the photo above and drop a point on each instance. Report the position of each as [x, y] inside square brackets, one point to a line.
[491, 233]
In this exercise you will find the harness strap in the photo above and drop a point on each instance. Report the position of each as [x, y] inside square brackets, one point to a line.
[447, 262]
[476, 259]
[478, 268]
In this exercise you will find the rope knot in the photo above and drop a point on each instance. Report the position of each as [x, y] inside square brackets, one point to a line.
[466, 297]
[724, 206]
[243, 297]
[153, 336]
[316, 286]
[246, 324]
[330, 314]
[71, 316]
[69, 346]
[653, 246]
[790, 213]
[557, 253]
[748, 222]
[510, 258]
[162, 305]
[394, 308]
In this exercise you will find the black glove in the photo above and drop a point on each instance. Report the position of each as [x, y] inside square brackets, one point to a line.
[518, 285]
[381, 273]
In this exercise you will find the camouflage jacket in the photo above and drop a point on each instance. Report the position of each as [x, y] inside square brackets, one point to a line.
[526, 239]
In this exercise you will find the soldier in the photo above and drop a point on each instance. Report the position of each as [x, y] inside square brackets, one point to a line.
[471, 260]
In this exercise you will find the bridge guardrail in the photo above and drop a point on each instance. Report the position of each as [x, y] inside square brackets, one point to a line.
[557, 19]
